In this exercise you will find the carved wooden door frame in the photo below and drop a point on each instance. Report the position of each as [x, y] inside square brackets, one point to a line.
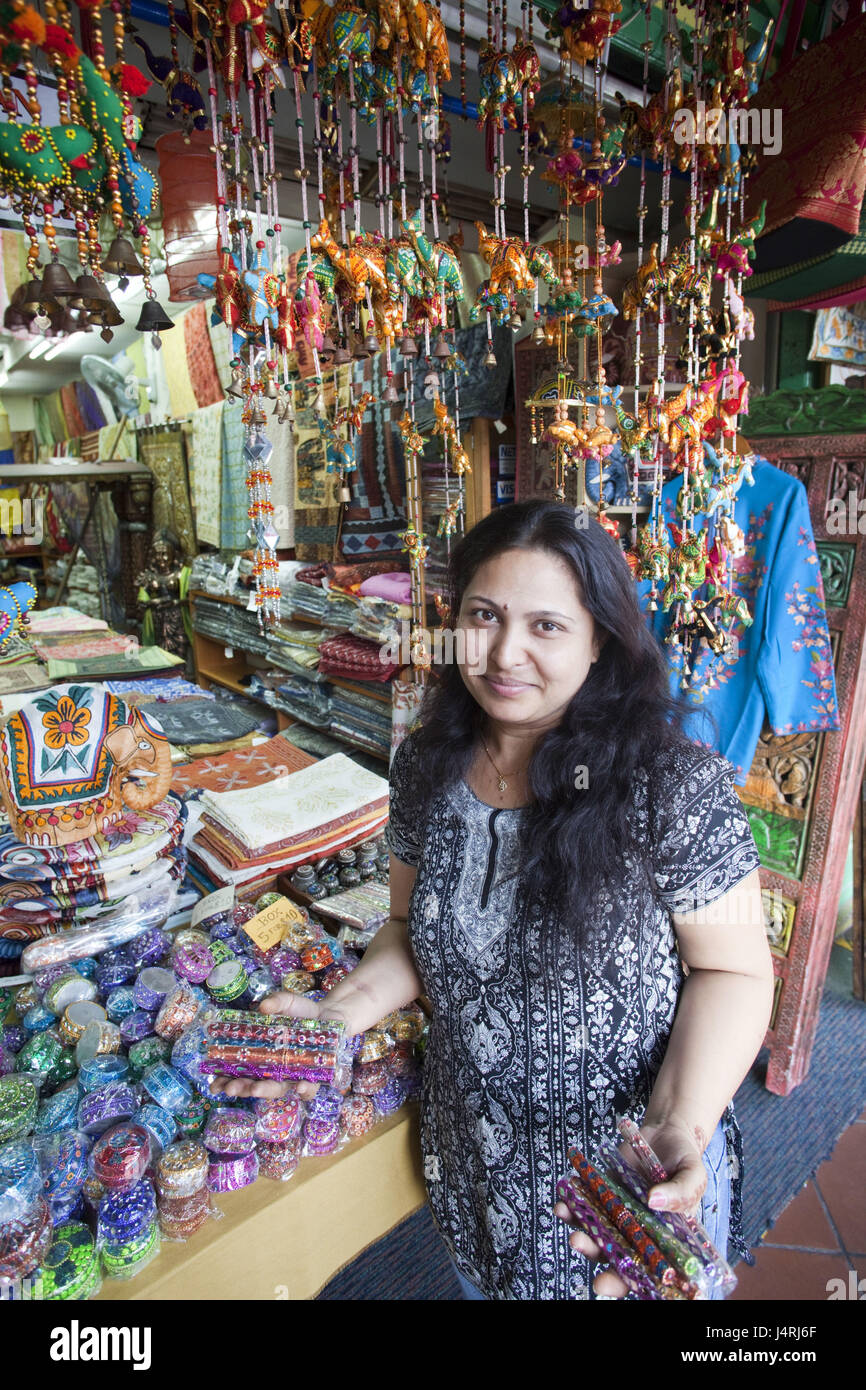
[814, 780]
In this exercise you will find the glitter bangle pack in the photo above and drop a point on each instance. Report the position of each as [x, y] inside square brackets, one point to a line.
[273, 1047]
[657, 1254]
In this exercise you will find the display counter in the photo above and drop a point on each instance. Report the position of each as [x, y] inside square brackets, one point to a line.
[287, 1240]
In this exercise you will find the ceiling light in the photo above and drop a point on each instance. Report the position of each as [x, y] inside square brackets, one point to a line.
[39, 349]
[59, 347]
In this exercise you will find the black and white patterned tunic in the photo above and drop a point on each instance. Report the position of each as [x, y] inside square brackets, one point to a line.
[536, 1045]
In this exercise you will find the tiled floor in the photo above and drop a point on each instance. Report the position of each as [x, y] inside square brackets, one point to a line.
[820, 1236]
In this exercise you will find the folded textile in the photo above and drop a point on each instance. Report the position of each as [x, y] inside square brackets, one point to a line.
[355, 658]
[141, 659]
[63, 619]
[249, 767]
[73, 645]
[346, 574]
[136, 692]
[201, 721]
[300, 801]
[224, 876]
[396, 586]
[217, 834]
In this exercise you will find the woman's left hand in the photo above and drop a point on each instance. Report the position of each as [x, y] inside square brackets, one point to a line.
[679, 1148]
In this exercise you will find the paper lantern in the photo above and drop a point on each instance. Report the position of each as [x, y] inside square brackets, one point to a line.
[187, 176]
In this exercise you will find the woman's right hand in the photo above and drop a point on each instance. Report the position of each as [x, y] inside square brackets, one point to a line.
[291, 1006]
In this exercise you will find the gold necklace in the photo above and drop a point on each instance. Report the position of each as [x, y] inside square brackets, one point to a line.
[503, 785]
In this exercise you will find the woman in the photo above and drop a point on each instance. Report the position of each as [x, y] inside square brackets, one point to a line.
[574, 886]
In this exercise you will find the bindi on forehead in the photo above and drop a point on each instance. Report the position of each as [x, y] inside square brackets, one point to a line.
[505, 607]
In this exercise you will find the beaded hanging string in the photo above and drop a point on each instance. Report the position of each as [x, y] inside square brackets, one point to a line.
[638, 328]
[463, 57]
[413, 537]
[354, 149]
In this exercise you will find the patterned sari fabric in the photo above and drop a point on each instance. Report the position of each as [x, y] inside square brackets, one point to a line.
[88, 403]
[539, 1042]
[234, 521]
[249, 767]
[202, 367]
[74, 423]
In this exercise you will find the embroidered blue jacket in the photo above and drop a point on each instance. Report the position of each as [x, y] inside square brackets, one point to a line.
[784, 669]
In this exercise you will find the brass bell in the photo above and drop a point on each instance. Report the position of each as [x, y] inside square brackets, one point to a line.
[360, 352]
[539, 336]
[110, 316]
[328, 348]
[371, 343]
[57, 283]
[120, 259]
[490, 358]
[153, 318]
[441, 348]
[391, 393]
[345, 494]
[515, 322]
[342, 356]
[32, 298]
[408, 347]
[258, 416]
[90, 291]
[272, 390]
[14, 321]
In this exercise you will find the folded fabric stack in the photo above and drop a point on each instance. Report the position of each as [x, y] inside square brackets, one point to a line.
[59, 645]
[305, 600]
[63, 619]
[378, 620]
[295, 647]
[354, 658]
[50, 888]
[229, 624]
[165, 690]
[361, 719]
[306, 816]
[340, 609]
[304, 700]
[247, 767]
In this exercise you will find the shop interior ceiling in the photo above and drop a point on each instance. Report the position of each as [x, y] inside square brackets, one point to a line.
[466, 185]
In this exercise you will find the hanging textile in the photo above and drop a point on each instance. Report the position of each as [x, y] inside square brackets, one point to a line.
[784, 669]
[162, 451]
[205, 460]
[199, 355]
[234, 521]
[118, 441]
[100, 542]
[815, 181]
[71, 414]
[406, 699]
[220, 343]
[92, 412]
[317, 492]
[282, 465]
[177, 372]
[376, 516]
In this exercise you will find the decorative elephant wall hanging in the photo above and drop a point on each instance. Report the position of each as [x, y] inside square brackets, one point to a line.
[74, 759]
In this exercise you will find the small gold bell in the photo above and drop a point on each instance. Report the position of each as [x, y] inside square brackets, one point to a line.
[345, 494]
[538, 335]
[490, 358]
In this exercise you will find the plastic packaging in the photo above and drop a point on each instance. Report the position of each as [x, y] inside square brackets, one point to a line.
[20, 1178]
[167, 1087]
[24, 1240]
[120, 1003]
[230, 1174]
[148, 948]
[152, 986]
[100, 1109]
[159, 1123]
[370, 1077]
[273, 1047]
[38, 1019]
[125, 1259]
[145, 1054]
[58, 1112]
[279, 1161]
[191, 1119]
[297, 981]
[192, 961]
[181, 1217]
[178, 1012]
[320, 954]
[182, 1169]
[39, 1056]
[101, 1071]
[69, 989]
[120, 1157]
[140, 912]
[376, 1044]
[325, 1104]
[227, 982]
[63, 1161]
[137, 1026]
[77, 1017]
[321, 1136]
[125, 1214]
[390, 1097]
[278, 1120]
[70, 1270]
[229, 1131]
[357, 1115]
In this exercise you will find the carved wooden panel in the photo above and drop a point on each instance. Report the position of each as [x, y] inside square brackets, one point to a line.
[802, 792]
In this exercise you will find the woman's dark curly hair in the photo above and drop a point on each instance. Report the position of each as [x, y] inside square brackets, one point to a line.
[620, 719]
